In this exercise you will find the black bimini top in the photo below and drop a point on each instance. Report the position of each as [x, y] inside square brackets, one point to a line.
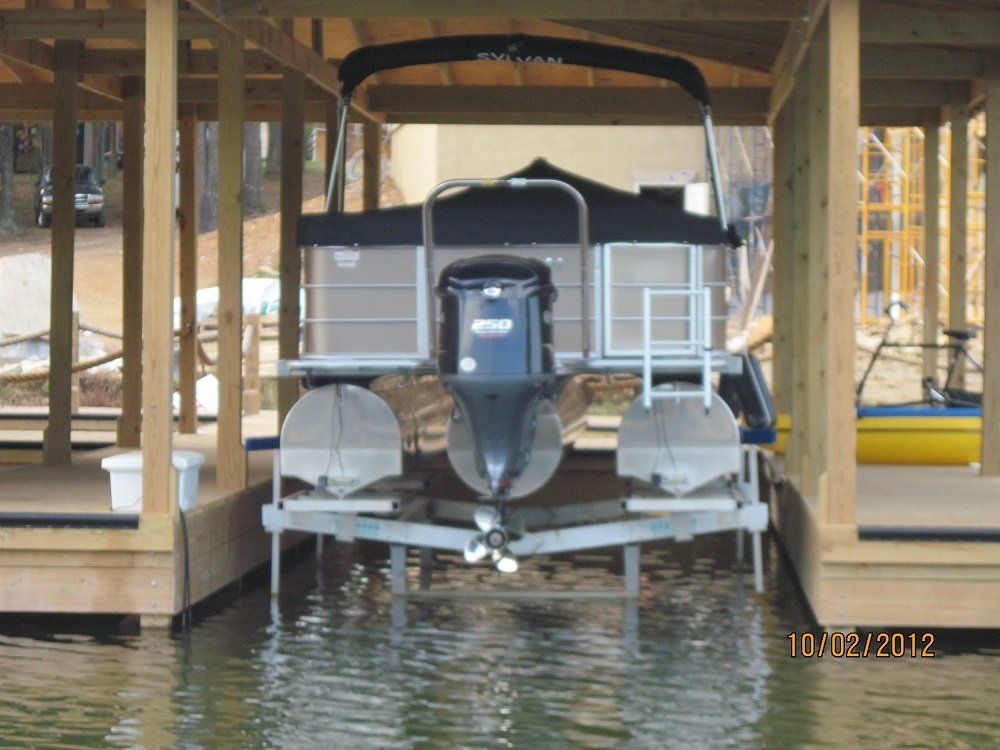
[365, 61]
[497, 216]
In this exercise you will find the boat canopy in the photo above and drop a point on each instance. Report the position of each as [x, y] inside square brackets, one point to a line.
[496, 216]
[364, 61]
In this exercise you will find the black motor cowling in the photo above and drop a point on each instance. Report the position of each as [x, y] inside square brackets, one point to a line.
[496, 355]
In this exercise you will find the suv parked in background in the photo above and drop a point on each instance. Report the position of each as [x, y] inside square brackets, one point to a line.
[89, 197]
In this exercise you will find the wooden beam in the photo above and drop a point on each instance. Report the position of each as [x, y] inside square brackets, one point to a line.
[187, 361]
[158, 233]
[958, 225]
[28, 51]
[834, 104]
[672, 104]
[372, 179]
[44, 114]
[991, 344]
[783, 278]
[663, 10]
[921, 62]
[792, 52]
[290, 264]
[43, 96]
[57, 446]
[130, 422]
[912, 25]
[895, 116]
[746, 53]
[231, 468]
[82, 25]
[198, 62]
[570, 118]
[932, 240]
[797, 453]
[283, 48]
[916, 93]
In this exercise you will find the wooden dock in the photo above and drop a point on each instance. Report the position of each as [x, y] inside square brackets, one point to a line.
[63, 550]
[925, 552]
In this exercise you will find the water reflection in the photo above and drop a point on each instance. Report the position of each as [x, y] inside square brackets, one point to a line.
[698, 660]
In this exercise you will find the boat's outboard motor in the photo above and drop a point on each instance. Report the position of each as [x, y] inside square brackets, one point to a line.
[496, 357]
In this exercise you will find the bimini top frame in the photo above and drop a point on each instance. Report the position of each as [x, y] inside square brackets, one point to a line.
[365, 61]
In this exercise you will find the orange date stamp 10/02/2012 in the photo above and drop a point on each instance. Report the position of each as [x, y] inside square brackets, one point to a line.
[851, 645]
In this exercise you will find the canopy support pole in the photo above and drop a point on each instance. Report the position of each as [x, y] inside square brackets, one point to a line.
[335, 186]
[713, 163]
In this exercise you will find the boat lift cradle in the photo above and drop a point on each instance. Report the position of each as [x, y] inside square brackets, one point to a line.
[705, 483]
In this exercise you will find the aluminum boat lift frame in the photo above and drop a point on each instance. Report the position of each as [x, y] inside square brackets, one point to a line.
[402, 518]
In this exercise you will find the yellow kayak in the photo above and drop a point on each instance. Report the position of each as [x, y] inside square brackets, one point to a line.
[911, 435]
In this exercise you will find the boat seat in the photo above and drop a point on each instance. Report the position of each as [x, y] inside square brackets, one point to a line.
[961, 334]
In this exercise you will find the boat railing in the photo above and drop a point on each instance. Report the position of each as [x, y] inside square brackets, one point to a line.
[517, 183]
[697, 344]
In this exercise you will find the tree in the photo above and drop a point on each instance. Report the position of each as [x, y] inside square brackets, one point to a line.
[43, 149]
[208, 175]
[8, 222]
[272, 167]
[97, 148]
[252, 198]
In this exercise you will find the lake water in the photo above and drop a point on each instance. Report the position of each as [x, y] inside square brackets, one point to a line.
[700, 661]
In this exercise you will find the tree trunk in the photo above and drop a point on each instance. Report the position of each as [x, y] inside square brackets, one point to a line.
[8, 222]
[208, 177]
[273, 166]
[111, 131]
[97, 147]
[252, 199]
[44, 145]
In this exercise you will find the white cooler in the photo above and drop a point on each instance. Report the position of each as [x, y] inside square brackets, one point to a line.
[126, 479]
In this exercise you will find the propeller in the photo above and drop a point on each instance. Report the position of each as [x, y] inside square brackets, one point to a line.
[475, 550]
[492, 540]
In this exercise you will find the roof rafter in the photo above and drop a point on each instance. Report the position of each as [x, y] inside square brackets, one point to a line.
[661, 10]
[283, 48]
[744, 54]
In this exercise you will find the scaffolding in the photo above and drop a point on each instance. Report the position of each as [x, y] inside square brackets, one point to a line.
[891, 219]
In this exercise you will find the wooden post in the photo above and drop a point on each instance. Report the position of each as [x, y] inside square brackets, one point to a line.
[783, 279]
[834, 115]
[932, 240]
[129, 425]
[958, 220]
[251, 365]
[991, 344]
[74, 377]
[372, 134]
[57, 447]
[159, 231]
[797, 453]
[188, 357]
[292, 131]
[231, 466]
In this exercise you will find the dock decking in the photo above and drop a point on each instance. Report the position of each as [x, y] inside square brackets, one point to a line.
[50, 566]
[925, 551]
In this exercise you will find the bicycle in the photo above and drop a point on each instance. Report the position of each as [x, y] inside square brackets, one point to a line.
[938, 395]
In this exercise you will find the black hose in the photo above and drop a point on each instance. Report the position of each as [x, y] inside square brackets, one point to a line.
[186, 594]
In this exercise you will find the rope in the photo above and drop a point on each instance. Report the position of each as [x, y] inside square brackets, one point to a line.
[86, 364]
[24, 337]
[100, 331]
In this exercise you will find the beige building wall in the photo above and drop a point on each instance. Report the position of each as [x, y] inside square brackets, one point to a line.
[423, 155]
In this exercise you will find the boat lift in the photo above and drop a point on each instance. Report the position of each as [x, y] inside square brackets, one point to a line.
[400, 516]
